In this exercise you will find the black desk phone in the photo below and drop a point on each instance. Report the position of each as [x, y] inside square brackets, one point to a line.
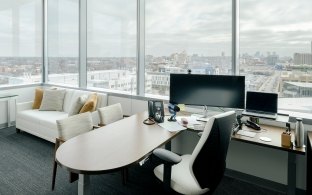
[252, 125]
[156, 110]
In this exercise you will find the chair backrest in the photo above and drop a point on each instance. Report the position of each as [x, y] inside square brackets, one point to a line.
[208, 160]
[110, 114]
[74, 125]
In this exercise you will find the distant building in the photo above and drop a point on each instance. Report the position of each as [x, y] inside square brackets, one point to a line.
[302, 58]
[297, 89]
[272, 59]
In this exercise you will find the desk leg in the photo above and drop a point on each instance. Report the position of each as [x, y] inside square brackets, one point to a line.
[291, 175]
[168, 146]
[84, 185]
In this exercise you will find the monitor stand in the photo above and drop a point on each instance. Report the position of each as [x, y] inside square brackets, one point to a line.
[202, 117]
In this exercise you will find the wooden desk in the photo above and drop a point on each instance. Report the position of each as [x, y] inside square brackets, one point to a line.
[275, 134]
[272, 132]
[111, 148]
[309, 163]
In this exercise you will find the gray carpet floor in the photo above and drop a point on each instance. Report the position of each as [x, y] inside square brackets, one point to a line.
[26, 168]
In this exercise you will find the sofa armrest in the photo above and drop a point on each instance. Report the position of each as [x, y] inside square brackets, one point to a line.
[24, 106]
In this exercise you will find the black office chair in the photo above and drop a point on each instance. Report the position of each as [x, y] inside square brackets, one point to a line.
[202, 171]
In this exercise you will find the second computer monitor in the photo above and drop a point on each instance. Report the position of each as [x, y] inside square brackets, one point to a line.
[208, 90]
[261, 101]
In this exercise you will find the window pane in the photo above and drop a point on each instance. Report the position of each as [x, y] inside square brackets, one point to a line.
[275, 49]
[63, 42]
[20, 42]
[182, 35]
[112, 45]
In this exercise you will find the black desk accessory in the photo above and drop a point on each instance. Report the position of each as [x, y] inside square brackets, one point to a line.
[252, 125]
[156, 111]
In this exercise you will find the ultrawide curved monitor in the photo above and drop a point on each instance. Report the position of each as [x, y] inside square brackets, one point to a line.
[208, 90]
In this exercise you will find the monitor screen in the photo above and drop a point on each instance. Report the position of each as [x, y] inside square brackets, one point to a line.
[261, 101]
[207, 90]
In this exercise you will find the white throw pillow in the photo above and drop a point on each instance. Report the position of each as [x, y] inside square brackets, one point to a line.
[75, 108]
[52, 100]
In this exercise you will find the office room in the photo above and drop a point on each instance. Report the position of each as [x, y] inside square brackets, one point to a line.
[155, 97]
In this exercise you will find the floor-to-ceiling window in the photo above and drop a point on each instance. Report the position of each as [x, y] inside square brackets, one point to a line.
[276, 48]
[63, 42]
[275, 51]
[182, 35]
[111, 45]
[20, 42]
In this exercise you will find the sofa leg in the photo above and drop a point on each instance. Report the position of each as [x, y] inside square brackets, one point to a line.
[18, 130]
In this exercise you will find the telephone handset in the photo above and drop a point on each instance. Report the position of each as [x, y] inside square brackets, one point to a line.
[156, 111]
[252, 125]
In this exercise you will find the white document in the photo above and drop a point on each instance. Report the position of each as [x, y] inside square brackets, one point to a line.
[171, 126]
[190, 119]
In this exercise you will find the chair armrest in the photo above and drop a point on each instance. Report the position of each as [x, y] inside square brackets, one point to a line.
[167, 156]
[24, 106]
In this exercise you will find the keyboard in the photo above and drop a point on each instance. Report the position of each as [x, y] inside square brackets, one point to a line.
[246, 133]
[261, 115]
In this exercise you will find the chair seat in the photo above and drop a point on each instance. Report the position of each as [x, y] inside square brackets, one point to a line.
[182, 179]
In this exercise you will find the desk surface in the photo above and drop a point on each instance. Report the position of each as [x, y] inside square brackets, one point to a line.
[272, 132]
[112, 147]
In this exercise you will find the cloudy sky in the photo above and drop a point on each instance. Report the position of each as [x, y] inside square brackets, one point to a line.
[197, 26]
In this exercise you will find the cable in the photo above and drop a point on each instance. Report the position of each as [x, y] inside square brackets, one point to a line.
[149, 121]
[221, 109]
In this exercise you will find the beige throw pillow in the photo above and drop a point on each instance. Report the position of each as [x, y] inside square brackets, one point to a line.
[38, 98]
[76, 107]
[90, 104]
[52, 100]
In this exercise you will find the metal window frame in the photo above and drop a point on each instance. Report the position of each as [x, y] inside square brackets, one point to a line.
[44, 74]
[140, 53]
[82, 72]
[140, 48]
[235, 37]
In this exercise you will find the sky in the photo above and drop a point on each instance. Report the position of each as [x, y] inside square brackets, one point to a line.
[200, 27]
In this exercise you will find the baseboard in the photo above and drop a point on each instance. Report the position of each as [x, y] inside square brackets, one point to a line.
[274, 186]
[5, 125]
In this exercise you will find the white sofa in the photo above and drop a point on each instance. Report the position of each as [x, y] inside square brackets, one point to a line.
[43, 123]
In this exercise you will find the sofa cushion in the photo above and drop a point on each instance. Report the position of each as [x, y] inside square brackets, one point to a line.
[38, 98]
[77, 105]
[90, 104]
[45, 119]
[52, 100]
